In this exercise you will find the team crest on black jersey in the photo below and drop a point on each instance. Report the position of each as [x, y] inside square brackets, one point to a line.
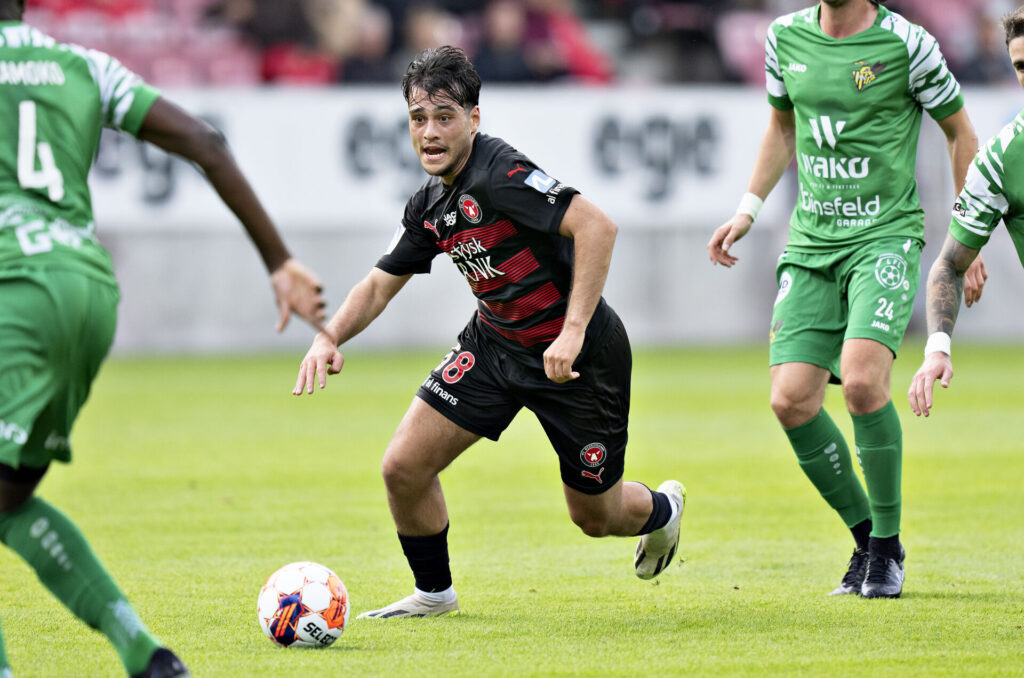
[864, 73]
[470, 208]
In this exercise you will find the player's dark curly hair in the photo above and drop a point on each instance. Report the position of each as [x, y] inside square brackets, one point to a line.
[443, 71]
[1013, 24]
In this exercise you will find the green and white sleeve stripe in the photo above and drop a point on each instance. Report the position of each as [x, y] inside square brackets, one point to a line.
[773, 72]
[118, 87]
[22, 35]
[778, 96]
[983, 202]
[931, 82]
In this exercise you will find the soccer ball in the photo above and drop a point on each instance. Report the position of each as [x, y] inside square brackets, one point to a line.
[303, 605]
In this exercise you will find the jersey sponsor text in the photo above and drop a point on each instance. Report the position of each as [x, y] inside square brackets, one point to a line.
[858, 211]
[466, 249]
[478, 269]
[835, 168]
[434, 387]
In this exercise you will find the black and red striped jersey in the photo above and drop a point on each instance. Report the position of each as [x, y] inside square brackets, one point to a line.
[498, 222]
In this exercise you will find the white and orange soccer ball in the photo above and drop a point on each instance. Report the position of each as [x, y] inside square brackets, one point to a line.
[303, 605]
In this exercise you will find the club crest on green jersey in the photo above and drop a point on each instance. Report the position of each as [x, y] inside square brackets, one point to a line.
[864, 73]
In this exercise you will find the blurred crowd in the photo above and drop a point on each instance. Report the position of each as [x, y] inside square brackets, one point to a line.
[320, 42]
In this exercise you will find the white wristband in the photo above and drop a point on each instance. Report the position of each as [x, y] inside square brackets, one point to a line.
[750, 205]
[938, 341]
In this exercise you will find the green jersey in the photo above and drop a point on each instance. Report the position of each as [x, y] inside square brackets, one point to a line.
[993, 191]
[55, 100]
[857, 103]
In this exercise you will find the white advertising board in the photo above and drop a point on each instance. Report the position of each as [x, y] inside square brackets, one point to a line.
[339, 159]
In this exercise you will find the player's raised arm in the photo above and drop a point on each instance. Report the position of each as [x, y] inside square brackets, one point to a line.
[296, 288]
[773, 156]
[593, 235]
[944, 294]
[365, 301]
[962, 142]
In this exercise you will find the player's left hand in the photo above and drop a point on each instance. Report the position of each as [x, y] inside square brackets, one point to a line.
[936, 367]
[322, 358]
[974, 281]
[725, 236]
[296, 288]
[560, 355]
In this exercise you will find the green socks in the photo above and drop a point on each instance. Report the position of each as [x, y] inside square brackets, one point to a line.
[825, 458]
[879, 439]
[67, 566]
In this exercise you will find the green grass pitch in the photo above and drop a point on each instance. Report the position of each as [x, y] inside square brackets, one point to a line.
[194, 479]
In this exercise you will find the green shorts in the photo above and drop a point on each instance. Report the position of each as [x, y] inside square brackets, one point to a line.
[861, 292]
[56, 328]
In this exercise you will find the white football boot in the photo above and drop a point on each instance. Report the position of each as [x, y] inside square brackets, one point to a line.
[654, 551]
[413, 606]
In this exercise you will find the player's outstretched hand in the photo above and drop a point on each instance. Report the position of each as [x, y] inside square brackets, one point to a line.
[561, 354]
[936, 367]
[322, 358]
[296, 288]
[723, 238]
[974, 281]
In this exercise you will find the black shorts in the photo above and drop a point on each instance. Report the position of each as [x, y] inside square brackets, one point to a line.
[481, 387]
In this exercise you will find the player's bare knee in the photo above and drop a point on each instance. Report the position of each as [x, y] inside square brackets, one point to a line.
[401, 475]
[792, 411]
[591, 525]
[594, 528]
[863, 395]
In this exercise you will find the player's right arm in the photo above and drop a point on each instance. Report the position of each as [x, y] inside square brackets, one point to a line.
[296, 288]
[945, 291]
[773, 156]
[364, 303]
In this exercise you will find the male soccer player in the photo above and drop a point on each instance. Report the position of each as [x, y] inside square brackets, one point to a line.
[847, 81]
[58, 295]
[993, 191]
[535, 254]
